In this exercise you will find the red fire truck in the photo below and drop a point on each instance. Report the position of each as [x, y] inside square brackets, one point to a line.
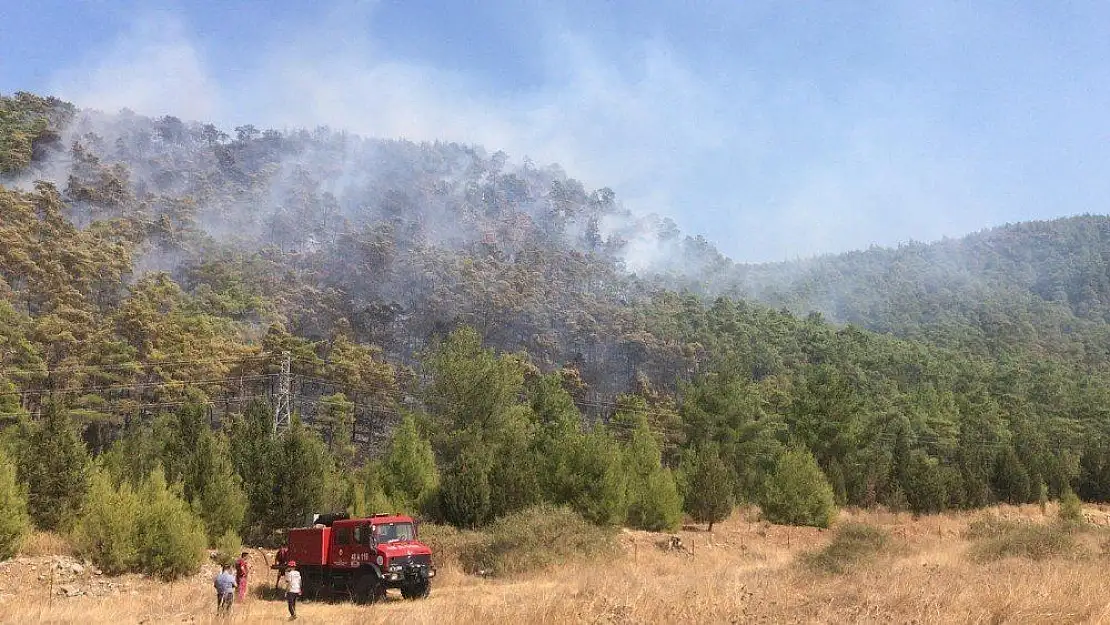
[362, 557]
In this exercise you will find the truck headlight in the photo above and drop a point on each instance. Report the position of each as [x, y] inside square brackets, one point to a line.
[380, 561]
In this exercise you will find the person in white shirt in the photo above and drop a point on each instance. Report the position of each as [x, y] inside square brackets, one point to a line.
[293, 587]
[225, 590]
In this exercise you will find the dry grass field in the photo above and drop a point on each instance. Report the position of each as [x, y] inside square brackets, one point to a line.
[745, 571]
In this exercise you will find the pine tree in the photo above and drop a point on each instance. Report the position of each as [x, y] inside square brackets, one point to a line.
[336, 419]
[301, 476]
[709, 494]
[9, 398]
[656, 505]
[256, 457]
[923, 484]
[133, 456]
[553, 407]
[797, 492]
[199, 458]
[217, 492]
[179, 435]
[106, 531]
[514, 466]
[368, 494]
[169, 537]
[1011, 480]
[557, 435]
[228, 547]
[653, 500]
[836, 480]
[979, 428]
[54, 465]
[472, 387]
[14, 520]
[464, 494]
[1094, 471]
[408, 470]
[591, 478]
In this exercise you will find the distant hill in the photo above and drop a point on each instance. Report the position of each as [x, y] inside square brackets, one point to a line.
[1039, 286]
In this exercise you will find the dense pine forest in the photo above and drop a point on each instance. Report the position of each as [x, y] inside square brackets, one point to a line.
[469, 337]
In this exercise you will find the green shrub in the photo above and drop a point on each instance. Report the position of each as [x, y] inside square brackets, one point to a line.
[853, 544]
[536, 538]
[995, 539]
[464, 495]
[1071, 509]
[14, 520]
[170, 538]
[449, 544]
[228, 547]
[105, 532]
[655, 505]
[153, 530]
[590, 477]
[797, 492]
[367, 493]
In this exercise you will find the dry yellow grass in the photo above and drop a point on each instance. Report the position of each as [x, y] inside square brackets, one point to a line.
[744, 572]
[46, 544]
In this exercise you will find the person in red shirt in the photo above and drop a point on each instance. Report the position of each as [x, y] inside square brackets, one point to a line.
[242, 570]
[282, 562]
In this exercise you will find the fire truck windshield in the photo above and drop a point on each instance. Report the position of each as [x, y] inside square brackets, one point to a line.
[393, 532]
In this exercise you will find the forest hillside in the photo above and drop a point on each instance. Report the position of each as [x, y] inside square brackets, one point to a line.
[467, 337]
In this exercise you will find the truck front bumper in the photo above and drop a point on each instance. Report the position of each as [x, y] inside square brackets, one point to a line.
[409, 574]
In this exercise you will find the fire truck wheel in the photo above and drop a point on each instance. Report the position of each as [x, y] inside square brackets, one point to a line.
[369, 589]
[418, 590]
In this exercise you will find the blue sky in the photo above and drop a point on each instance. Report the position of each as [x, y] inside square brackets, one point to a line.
[777, 130]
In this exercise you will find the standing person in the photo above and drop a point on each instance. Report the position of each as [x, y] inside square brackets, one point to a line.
[225, 590]
[293, 587]
[242, 570]
[282, 562]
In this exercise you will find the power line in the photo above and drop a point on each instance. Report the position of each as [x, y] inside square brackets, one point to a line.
[365, 388]
[173, 404]
[374, 409]
[137, 386]
[138, 365]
